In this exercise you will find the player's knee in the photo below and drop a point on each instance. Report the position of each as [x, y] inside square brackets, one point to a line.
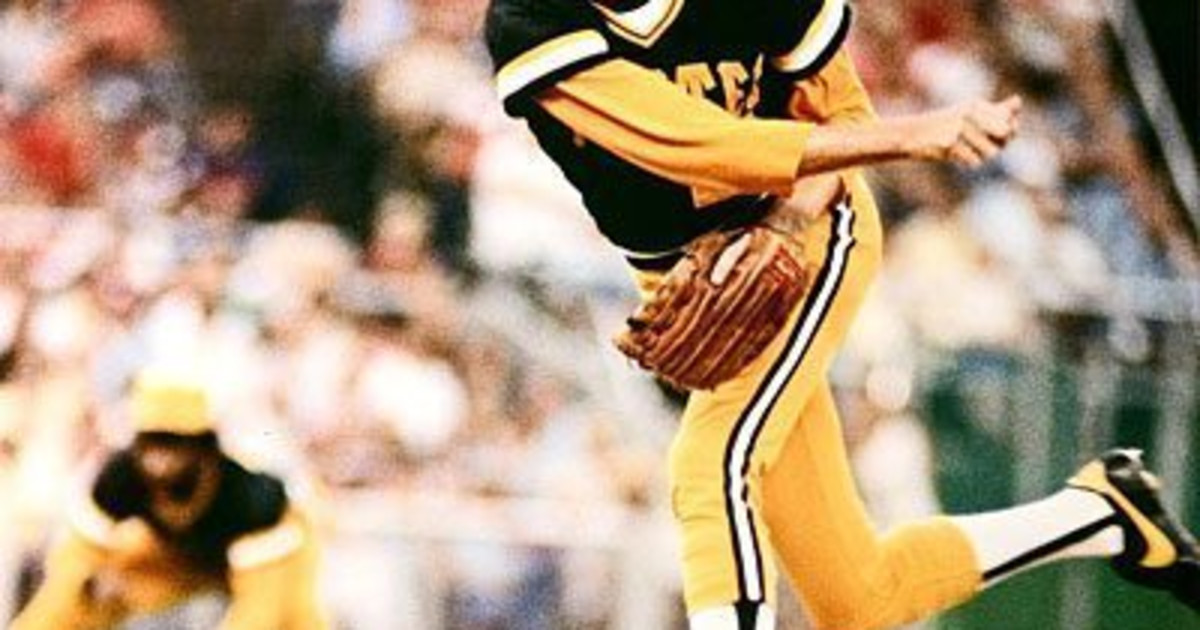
[859, 597]
[818, 624]
[847, 619]
[876, 607]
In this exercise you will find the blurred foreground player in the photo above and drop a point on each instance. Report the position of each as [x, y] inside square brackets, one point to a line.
[171, 517]
[717, 143]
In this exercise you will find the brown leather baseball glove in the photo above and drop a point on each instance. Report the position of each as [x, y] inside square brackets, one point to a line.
[718, 307]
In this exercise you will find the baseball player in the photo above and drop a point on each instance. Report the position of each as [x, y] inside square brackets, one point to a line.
[681, 121]
[170, 517]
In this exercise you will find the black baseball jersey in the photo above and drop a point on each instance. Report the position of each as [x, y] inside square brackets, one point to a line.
[245, 502]
[721, 50]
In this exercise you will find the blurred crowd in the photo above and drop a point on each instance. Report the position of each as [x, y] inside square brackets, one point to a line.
[397, 297]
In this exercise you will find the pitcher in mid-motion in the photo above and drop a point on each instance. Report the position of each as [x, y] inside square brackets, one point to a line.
[718, 143]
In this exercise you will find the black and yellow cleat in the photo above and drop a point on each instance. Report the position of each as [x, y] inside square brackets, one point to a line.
[1159, 552]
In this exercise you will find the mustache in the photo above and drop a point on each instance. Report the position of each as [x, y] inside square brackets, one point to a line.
[179, 487]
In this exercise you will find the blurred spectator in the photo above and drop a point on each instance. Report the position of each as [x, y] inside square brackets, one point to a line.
[149, 177]
[56, 151]
[431, 89]
[29, 37]
[406, 387]
[953, 292]
[230, 172]
[365, 30]
[403, 257]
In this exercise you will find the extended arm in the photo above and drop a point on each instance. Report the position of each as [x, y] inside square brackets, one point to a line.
[647, 120]
[65, 599]
[640, 116]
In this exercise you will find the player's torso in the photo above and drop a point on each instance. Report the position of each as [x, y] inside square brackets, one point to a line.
[712, 49]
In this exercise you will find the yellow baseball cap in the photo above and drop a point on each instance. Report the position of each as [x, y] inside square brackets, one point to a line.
[167, 402]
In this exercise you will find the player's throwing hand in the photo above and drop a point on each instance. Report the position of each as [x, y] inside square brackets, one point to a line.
[969, 134]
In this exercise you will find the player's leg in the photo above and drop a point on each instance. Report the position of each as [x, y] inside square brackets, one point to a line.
[847, 576]
[728, 573]
[70, 596]
[1110, 508]
[729, 436]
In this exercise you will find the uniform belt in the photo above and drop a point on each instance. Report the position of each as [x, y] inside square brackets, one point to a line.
[659, 262]
[738, 213]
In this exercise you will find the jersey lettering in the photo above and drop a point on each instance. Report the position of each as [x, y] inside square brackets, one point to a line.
[738, 85]
[695, 78]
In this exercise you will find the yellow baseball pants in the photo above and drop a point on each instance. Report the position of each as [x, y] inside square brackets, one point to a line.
[759, 471]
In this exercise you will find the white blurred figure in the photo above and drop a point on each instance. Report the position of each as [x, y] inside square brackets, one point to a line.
[418, 396]
[29, 39]
[315, 358]
[950, 74]
[150, 182]
[60, 340]
[1022, 222]
[526, 215]
[955, 294]
[288, 266]
[374, 582]
[365, 30]
[893, 458]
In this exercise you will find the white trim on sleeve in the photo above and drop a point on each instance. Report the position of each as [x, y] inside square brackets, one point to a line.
[547, 58]
[89, 521]
[265, 547]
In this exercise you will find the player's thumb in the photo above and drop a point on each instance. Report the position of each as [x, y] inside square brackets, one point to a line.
[1012, 104]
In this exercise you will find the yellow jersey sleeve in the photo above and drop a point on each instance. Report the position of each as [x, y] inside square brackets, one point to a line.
[833, 95]
[641, 117]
